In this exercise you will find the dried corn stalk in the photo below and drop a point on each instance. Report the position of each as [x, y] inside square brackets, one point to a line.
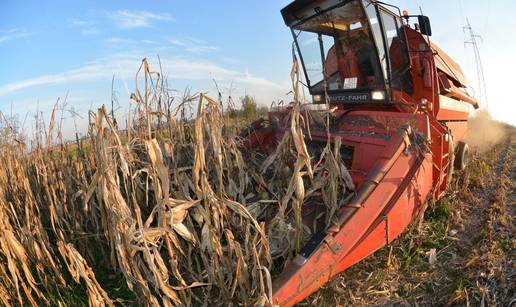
[172, 203]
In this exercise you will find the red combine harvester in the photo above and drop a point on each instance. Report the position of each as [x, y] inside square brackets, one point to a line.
[400, 108]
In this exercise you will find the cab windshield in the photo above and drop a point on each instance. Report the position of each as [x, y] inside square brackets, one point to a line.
[338, 43]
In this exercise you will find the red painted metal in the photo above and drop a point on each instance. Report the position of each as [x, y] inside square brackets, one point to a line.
[394, 190]
[402, 157]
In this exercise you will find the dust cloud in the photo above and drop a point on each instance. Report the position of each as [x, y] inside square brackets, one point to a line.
[484, 132]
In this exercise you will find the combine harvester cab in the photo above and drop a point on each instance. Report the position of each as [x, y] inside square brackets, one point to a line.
[400, 109]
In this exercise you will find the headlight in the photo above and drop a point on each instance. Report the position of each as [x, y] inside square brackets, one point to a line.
[317, 98]
[378, 95]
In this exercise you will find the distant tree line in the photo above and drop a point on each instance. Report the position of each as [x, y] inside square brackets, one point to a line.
[249, 109]
[11, 134]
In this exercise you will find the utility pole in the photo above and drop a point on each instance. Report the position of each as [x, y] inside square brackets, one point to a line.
[482, 89]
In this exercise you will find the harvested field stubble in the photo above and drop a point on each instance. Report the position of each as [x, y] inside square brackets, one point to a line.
[173, 205]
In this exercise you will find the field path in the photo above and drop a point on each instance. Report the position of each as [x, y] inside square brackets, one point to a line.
[489, 229]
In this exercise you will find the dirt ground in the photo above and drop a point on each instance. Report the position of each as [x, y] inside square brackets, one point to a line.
[470, 231]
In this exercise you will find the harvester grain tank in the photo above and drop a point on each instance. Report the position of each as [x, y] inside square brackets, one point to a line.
[400, 107]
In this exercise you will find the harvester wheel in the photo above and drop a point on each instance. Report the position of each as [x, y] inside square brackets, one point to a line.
[462, 156]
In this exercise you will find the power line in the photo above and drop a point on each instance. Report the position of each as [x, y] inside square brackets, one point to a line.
[482, 89]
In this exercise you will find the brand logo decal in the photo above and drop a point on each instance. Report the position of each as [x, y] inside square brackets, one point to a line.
[350, 98]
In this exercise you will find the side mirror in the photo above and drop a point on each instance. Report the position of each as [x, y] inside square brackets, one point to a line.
[424, 25]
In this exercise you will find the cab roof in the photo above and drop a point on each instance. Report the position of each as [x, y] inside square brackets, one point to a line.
[292, 12]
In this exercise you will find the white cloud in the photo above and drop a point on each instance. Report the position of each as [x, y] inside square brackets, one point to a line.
[126, 19]
[127, 43]
[89, 85]
[7, 35]
[91, 31]
[177, 42]
[125, 66]
[119, 42]
[192, 45]
[79, 22]
[88, 27]
[85, 73]
[202, 49]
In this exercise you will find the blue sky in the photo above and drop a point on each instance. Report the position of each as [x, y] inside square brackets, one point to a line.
[51, 48]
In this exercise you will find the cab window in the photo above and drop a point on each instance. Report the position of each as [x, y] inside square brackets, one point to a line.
[396, 48]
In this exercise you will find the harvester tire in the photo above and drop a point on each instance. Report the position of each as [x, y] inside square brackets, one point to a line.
[462, 156]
